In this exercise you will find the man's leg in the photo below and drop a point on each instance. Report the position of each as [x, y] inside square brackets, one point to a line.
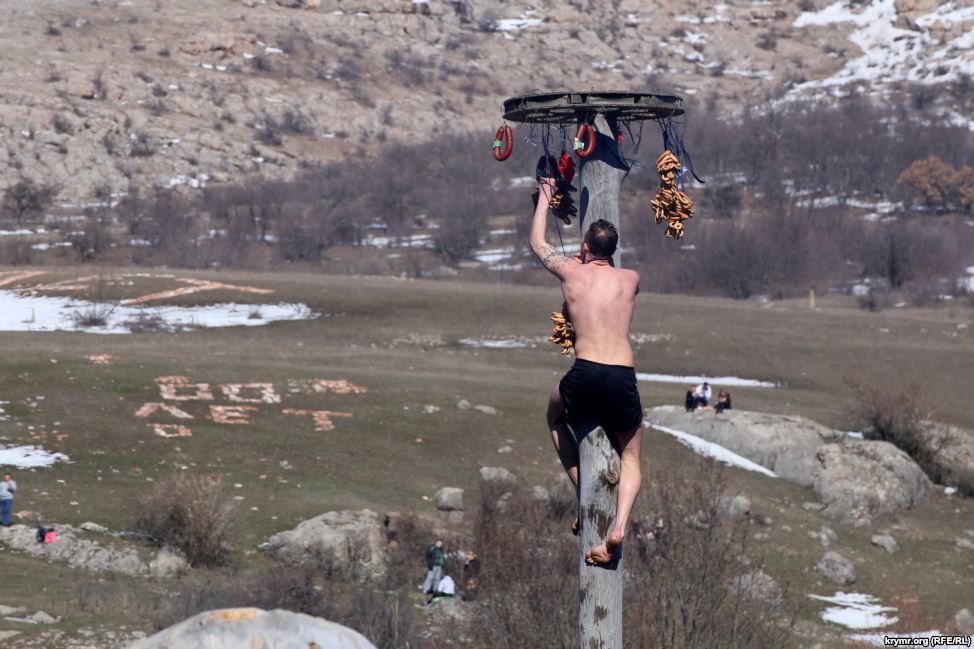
[630, 479]
[564, 442]
[6, 506]
[428, 582]
[562, 438]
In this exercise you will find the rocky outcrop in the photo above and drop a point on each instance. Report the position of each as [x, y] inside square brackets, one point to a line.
[352, 539]
[758, 586]
[252, 627]
[861, 480]
[886, 542]
[826, 536]
[74, 551]
[785, 444]
[449, 502]
[497, 474]
[837, 569]
[734, 508]
[449, 499]
[168, 563]
[951, 454]
[962, 623]
[198, 84]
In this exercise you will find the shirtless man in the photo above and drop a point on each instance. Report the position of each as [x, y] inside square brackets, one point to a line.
[600, 388]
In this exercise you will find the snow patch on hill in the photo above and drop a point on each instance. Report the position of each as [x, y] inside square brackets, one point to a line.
[891, 54]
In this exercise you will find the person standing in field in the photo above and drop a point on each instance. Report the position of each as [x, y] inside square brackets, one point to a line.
[435, 560]
[600, 388]
[7, 489]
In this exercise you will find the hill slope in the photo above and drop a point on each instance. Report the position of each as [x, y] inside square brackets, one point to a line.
[95, 95]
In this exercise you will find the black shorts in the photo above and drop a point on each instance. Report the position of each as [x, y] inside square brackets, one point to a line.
[595, 394]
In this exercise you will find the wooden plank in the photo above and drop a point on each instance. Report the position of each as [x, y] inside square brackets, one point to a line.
[599, 587]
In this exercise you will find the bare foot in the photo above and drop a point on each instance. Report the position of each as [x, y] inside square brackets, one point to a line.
[605, 553]
[576, 526]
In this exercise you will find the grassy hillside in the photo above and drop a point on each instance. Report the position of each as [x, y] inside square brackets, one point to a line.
[400, 341]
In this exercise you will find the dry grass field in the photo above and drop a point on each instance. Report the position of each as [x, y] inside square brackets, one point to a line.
[400, 341]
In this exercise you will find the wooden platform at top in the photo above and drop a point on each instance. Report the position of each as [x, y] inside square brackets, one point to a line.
[569, 107]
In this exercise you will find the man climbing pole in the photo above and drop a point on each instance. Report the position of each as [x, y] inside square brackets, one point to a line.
[600, 388]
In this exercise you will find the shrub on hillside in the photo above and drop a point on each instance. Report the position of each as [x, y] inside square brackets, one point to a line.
[383, 612]
[26, 198]
[678, 570]
[190, 513]
[893, 412]
[94, 315]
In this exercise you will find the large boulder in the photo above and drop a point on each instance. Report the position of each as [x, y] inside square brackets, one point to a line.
[758, 586]
[168, 563]
[962, 623]
[449, 499]
[786, 444]
[497, 474]
[251, 627]
[734, 508]
[861, 480]
[350, 538]
[886, 542]
[74, 551]
[951, 449]
[837, 569]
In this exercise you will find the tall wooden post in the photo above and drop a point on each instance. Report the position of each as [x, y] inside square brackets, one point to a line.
[601, 176]
[601, 180]
[599, 587]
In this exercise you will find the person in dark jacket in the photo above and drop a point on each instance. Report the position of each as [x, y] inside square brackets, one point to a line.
[723, 401]
[435, 560]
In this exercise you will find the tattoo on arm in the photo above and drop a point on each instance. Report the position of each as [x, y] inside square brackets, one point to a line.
[552, 259]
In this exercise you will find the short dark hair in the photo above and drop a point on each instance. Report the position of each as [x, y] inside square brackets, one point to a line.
[602, 239]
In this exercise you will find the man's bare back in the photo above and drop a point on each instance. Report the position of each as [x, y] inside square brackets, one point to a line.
[600, 302]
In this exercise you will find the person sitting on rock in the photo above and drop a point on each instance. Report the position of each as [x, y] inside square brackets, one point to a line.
[723, 401]
[691, 401]
[470, 592]
[704, 394]
[444, 589]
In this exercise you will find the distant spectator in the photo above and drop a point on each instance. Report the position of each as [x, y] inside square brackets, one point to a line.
[723, 401]
[45, 534]
[470, 592]
[704, 394]
[691, 401]
[446, 587]
[471, 566]
[7, 489]
[435, 560]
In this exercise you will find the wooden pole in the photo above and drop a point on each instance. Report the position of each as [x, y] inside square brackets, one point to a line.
[601, 178]
[599, 587]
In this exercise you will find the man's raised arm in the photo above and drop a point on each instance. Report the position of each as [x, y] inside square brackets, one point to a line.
[545, 252]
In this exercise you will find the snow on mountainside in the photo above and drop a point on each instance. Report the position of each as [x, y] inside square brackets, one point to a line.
[936, 47]
[96, 96]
